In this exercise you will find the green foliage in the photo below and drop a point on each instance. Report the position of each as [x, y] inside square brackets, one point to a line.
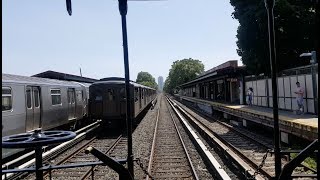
[309, 162]
[146, 79]
[182, 71]
[294, 33]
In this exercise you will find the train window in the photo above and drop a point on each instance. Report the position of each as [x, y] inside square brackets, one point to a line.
[55, 96]
[123, 93]
[69, 98]
[98, 98]
[72, 98]
[6, 99]
[110, 94]
[28, 92]
[136, 94]
[36, 98]
[6, 91]
[79, 97]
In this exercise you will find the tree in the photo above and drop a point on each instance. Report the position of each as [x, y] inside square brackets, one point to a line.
[294, 33]
[182, 71]
[146, 79]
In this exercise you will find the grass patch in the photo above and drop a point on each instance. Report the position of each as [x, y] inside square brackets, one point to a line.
[309, 161]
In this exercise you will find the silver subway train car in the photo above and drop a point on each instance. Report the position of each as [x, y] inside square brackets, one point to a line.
[108, 100]
[29, 103]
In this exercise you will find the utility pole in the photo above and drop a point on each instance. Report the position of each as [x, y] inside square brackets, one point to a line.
[317, 55]
[272, 50]
[123, 8]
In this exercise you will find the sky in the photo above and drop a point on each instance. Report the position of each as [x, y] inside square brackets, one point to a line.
[39, 35]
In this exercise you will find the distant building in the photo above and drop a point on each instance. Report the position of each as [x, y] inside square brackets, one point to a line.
[160, 83]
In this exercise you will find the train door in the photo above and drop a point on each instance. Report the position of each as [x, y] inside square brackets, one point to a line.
[79, 104]
[136, 100]
[71, 104]
[96, 103]
[33, 106]
[145, 97]
[84, 102]
[123, 101]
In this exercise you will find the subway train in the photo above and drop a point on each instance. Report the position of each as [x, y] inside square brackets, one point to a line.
[29, 103]
[107, 100]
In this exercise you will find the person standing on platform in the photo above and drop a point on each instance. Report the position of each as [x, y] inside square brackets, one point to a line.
[300, 93]
[249, 96]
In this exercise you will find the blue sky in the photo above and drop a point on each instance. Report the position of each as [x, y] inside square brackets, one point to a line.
[39, 35]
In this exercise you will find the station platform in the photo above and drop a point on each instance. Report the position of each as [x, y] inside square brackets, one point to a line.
[304, 126]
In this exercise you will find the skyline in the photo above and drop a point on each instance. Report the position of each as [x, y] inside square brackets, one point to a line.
[43, 36]
[160, 83]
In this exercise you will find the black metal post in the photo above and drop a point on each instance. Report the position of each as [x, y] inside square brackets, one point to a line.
[116, 165]
[314, 87]
[272, 50]
[123, 8]
[243, 90]
[295, 162]
[38, 151]
[317, 8]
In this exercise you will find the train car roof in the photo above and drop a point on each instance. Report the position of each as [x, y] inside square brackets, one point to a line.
[10, 78]
[64, 77]
[82, 83]
[112, 81]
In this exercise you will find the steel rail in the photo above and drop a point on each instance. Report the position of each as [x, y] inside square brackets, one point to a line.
[264, 144]
[86, 174]
[153, 141]
[25, 156]
[54, 151]
[261, 143]
[194, 173]
[49, 168]
[77, 151]
[213, 163]
[244, 162]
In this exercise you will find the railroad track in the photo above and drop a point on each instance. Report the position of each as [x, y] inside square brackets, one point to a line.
[249, 148]
[169, 158]
[27, 160]
[108, 146]
[117, 151]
